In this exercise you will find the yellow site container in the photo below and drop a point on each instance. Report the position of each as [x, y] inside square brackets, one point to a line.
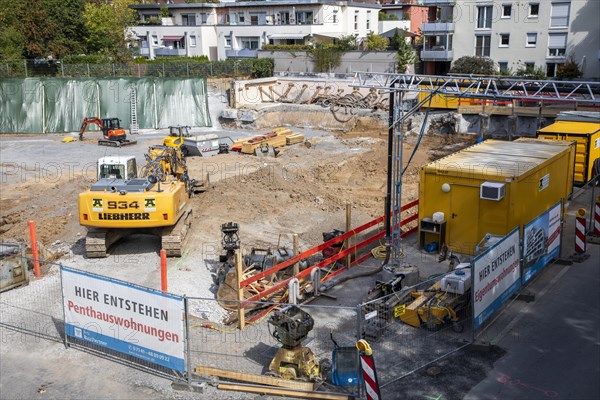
[584, 129]
[494, 186]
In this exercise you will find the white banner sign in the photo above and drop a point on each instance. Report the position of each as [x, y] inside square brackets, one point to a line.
[141, 322]
[496, 276]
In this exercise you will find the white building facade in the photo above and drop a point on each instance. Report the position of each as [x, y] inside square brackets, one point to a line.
[237, 30]
[515, 34]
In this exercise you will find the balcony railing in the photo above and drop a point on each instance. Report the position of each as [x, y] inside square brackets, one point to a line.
[435, 2]
[144, 51]
[437, 55]
[437, 27]
[164, 52]
[244, 53]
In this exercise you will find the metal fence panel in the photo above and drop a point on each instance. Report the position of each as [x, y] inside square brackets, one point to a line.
[400, 348]
[252, 349]
[35, 308]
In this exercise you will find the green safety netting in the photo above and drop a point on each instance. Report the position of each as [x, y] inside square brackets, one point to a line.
[41, 105]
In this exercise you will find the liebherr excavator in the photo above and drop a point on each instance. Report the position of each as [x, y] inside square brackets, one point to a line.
[157, 202]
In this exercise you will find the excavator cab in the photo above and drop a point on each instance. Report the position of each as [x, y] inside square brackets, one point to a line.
[112, 130]
[176, 136]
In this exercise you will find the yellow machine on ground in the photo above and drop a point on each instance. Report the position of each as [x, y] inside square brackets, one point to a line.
[441, 302]
[121, 203]
[176, 137]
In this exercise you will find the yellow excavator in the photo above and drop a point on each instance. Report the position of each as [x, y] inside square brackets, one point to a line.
[158, 202]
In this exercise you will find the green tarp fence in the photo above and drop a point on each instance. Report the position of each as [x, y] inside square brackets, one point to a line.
[47, 105]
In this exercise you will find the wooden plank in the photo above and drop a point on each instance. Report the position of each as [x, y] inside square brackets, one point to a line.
[262, 379]
[282, 392]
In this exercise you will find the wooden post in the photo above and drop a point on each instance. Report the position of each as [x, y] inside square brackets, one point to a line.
[163, 270]
[348, 229]
[239, 267]
[297, 265]
[34, 249]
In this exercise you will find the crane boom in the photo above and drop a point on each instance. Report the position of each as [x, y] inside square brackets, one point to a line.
[484, 86]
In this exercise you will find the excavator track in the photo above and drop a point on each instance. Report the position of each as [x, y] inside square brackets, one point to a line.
[99, 240]
[173, 238]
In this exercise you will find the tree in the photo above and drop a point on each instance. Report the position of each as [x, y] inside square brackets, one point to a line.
[569, 70]
[347, 42]
[474, 65]
[376, 42]
[106, 24]
[528, 71]
[406, 55]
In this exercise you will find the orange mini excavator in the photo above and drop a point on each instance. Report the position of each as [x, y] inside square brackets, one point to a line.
[112, 133]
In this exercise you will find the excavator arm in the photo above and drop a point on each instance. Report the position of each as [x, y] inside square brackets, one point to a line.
[88, 121]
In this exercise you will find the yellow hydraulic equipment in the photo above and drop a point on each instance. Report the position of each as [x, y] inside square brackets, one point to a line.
[439, 304]
[121, 203]
[277, 138]
[176, 137]
[293, 361]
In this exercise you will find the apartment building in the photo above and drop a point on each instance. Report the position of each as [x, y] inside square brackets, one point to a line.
[237, 30]
[540, 33]
[409, 14]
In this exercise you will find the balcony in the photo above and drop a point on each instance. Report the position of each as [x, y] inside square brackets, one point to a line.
[433, 27]
[435, 54]
[166, 52]
[244, 53]
[144, 51]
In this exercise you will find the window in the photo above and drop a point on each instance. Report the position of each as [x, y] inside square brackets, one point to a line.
[560, 15]
[304, 18]
[531, 39]
[228, 41]
[506, 10]
[504, 39]
[482, 45]
[551, 70]
[529, 66]
[223, 18]
[249, 43]
[557, 44]
[534, 10]
[188, 19]
[203, 18]
[484, 17]
[193, 41]
[503, 65]
[241, 18]
[154, 40]
[283, 18]
[334, 17]
[355, 20]
[368, 20]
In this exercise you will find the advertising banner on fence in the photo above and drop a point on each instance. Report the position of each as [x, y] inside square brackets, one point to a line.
[140, 322]
[541, 241]
[496, 276]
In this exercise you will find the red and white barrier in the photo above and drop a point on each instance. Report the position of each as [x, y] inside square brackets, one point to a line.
[596, 229]
[369, 372]
[580, 244]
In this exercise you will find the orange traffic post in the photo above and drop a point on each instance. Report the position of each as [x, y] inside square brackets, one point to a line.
[34, 249]
[163, 270]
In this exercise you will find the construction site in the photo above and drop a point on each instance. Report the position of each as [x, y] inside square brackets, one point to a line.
[288, 238]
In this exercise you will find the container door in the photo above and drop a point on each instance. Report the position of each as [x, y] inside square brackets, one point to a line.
[463, 219]
[581, 158]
